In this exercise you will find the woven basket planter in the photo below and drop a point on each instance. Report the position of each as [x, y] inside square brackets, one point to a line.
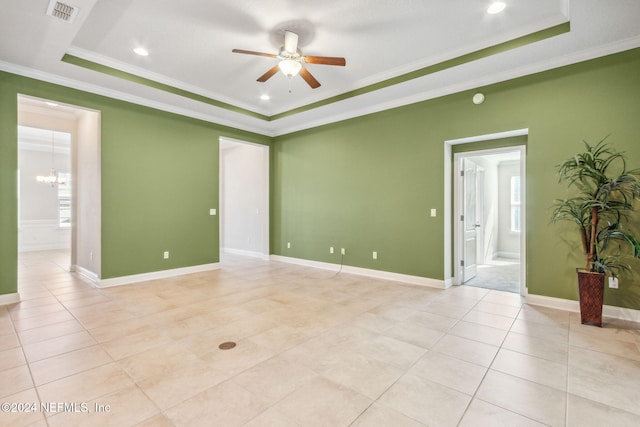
[591, 290]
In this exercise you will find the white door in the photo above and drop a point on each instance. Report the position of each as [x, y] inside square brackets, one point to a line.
[470, 219]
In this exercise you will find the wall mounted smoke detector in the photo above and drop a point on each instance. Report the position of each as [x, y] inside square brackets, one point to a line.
[478, 98]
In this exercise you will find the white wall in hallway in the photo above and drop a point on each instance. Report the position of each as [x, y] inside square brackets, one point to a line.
[244, 198]
[38, 222]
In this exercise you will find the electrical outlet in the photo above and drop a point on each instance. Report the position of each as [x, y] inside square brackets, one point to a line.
[331, 249]
[343, 251]
[433, 212]
[212, 212]
[613, 282]
[375, 255]
[91, 255]
[166, 254]
[288, 245]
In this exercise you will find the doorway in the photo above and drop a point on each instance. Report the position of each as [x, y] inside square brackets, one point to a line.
[491, 263]
[489, 211]
[244, 198]
[59, 185]
[44, 190]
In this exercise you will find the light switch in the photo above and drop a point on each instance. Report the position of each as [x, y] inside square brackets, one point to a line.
[212, 211]
[433, 212]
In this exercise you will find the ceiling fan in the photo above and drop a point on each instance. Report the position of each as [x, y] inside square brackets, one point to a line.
[291, 61]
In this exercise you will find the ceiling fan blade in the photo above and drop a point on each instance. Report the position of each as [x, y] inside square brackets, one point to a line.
[325, 60]
[290, 42]
[311, 81]
[266, 76]
[250, 52]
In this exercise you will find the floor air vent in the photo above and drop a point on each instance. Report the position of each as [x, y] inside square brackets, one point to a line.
[62, 11]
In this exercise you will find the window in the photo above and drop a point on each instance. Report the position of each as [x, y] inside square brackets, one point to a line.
[515, 204]
[64, 200]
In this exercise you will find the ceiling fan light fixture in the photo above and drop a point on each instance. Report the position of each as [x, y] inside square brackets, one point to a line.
[289, 67]
[496, 7]
[141, 51]
[290, 61]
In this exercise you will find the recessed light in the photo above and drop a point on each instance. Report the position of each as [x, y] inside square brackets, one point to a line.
[496, 7]
[51, 104]
[265, 97]
[141, 51]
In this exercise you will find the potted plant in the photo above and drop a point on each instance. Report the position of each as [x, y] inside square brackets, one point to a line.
[605, 194]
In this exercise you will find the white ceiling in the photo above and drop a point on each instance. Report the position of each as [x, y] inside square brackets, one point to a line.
[190, 43]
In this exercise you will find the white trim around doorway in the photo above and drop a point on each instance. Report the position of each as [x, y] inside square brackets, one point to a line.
[451, 257]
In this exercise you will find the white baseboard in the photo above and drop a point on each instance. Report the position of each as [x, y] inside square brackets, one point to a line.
[7, 299]
[621, 313]
[508, 255]
[551, 302]
[87, 274]
[42, 235]
[574, 306]
[43, 247]
[155, 275]
[378, 274]
[242, 252]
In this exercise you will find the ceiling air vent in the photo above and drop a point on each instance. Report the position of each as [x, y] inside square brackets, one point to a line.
[62, 11]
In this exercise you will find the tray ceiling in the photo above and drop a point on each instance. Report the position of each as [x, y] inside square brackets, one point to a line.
[397, 52]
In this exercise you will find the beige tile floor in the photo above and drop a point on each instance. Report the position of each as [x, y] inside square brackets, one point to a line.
[313, 349]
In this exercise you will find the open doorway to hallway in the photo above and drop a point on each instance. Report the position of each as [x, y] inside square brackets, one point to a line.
[44, 190]
[490, 212]
[244, 199]
[59, 198]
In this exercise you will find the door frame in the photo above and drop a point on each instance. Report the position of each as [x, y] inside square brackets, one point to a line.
[51, 117]
[452, 245]
[266, 202]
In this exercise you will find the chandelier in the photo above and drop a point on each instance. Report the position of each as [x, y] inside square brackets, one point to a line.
[53, 178]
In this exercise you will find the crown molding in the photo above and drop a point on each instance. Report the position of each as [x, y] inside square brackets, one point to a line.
[360, 105]
[122, 96]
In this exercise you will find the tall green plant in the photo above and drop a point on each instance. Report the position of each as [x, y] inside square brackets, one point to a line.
[605, 194]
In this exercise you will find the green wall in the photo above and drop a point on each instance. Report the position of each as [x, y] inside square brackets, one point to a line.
[159, 180]
[8, 189]
[365, 184]
[368, 184]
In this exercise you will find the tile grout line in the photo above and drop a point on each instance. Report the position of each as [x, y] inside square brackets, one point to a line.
[566, 405]
[412, 365]
[85, 329]
[345, 320]
[28, 365]
[489, 368]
